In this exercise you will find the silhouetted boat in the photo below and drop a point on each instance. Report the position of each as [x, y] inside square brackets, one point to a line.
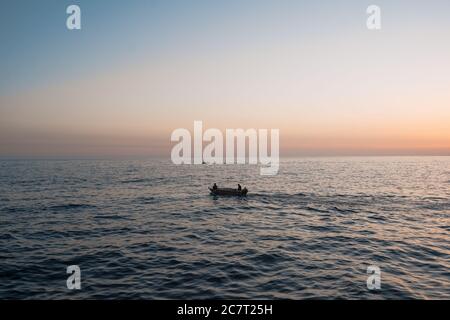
[228, 192]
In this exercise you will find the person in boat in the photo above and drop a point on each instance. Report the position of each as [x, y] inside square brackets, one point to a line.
[214, 186]
[239, 187]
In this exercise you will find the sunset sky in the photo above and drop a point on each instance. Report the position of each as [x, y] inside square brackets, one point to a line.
[137, 70]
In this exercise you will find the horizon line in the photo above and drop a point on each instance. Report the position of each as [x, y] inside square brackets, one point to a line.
[120, 158]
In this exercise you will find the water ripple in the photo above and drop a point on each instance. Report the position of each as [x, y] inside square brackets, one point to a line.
[150, 230]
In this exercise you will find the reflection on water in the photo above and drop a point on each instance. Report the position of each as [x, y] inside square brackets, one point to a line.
[149, 229]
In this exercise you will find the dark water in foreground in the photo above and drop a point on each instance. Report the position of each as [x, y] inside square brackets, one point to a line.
[149, 229]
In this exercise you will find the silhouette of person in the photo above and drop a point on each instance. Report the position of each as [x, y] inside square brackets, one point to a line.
[239, 187]
[215, 186]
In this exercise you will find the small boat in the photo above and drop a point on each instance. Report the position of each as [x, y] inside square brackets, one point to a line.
[228, 192]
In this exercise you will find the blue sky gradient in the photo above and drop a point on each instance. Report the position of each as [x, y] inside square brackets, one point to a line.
[310, 68]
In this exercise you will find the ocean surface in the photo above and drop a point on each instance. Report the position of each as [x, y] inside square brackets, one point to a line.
[150, 229]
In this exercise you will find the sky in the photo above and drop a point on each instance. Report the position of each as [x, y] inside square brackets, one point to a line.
[137, 70]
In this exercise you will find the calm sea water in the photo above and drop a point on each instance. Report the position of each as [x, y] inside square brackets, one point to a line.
[149, 229]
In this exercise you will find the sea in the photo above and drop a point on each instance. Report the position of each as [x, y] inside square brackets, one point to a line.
[149, 229]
